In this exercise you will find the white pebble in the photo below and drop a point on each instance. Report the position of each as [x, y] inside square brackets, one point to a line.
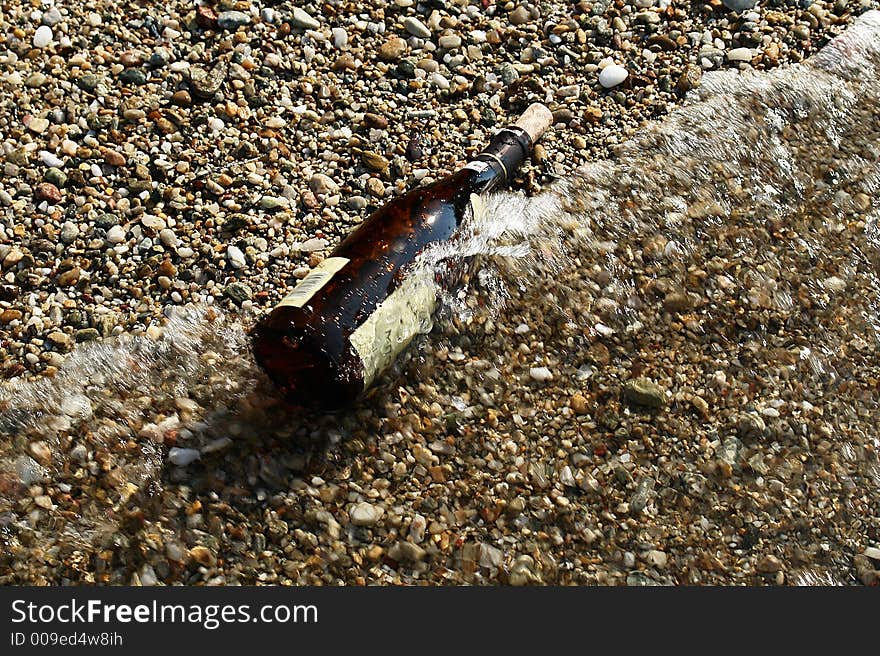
[340, 37]
[77, 406]
[739, 54]
[834, 284]
[116, 234]
[50, 159]
[183, 457]
[152, 221]
[313, 244]
[43, 36]
[657, 558]
[441, 82]
[416, 27]
[235, 257]
[303, 19]
[168, 238]
[365, 514]
[541, 374]
[612, 75]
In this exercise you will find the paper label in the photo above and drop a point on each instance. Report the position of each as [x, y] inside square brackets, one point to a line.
[312, 283]
[407, 312]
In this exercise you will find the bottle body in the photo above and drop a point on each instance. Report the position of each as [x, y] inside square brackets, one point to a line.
[349, 318]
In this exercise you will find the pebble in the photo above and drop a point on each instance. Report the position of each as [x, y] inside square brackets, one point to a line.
[540, 374]
[182, 98]
[612, 75]
[570, 91]
[183, 457]
[522, 572]
[313, 244]
[449, 42]
[519, 16]
[48, 192]
[236, 257]
[68, 278]
[340, 37]
[56, 177]
[375, 162]
[168, 238]
[405, 551]
[8, 316]
[416, 27]
[38, 125]
[69, 232]
[304, 20]
[375, 188]
[116, 234]
[43, 36]
[86, 335]
[51, 160]
[740, 5]
[490, 557]
[392, 49]
[273, 202]
[365, 514]
[35, 80]
[323, 184]
[657, 558]
[232, 20]
[238, 292]
[203, 556]
[644, 392]
[579, 404]
[740, 54]
[51, 17]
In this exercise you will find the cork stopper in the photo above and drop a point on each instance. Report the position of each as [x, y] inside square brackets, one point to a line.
[535, 120]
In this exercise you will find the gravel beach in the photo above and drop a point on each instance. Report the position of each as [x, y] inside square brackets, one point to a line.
[678, 385]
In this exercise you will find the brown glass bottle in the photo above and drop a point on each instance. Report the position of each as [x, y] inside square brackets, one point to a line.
[353, 314]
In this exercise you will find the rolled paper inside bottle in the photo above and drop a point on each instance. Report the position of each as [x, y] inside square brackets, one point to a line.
[535, 120]
[407, 312]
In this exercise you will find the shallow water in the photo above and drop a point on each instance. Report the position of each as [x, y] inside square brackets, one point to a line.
[744, 226]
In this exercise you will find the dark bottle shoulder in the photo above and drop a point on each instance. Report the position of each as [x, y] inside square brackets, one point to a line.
[411, 209]
[446, 189]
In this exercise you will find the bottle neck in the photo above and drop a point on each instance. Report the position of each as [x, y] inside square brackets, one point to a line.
[496, 164]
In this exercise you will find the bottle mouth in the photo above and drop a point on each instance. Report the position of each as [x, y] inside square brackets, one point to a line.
[508, 148]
